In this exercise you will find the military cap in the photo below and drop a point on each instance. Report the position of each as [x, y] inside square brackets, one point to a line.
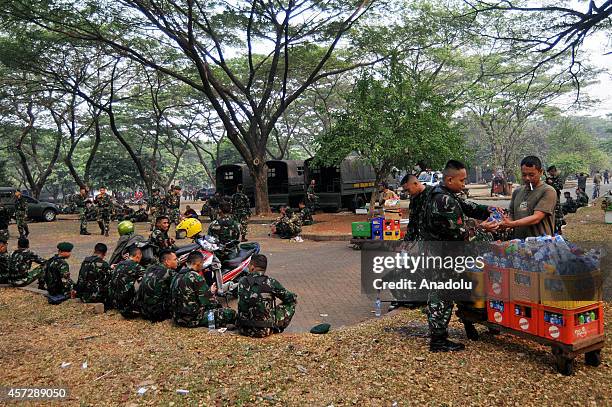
[320, 329]
[65, 247]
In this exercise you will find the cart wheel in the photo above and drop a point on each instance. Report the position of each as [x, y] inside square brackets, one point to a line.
[593, 358]
[565, 365]
[494, 331]
[471, 331]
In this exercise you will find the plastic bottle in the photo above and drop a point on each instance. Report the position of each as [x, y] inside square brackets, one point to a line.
[580, 319]
[593, 316]
[211, 320]
[377, 307]
[547, 317]
[587, 317]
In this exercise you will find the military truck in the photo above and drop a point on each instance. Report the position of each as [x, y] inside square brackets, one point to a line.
[228, 177]
[285, 182]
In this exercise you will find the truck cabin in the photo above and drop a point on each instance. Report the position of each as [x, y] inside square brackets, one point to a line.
[229, 176]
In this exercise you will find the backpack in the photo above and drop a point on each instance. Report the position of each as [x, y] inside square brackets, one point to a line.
[260, 302]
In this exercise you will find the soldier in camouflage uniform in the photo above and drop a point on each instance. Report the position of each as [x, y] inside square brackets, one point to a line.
[582, 199]
[140, 215]
[21, 213]
[241, 208]
[444, 221]
[419, 195]
[94, 277]
[173, 205]
[159, 238]
[155, 206]
[57, 275]
[226, 230]
[4, 262]
[5, 219]
[555, 181]
[21, 263]
[305, 214]
[570, 205]
[125, 280]
[104, 205]
[80, 200]
[192, 299]
[311, 197]
[154, 291]
[258, 313]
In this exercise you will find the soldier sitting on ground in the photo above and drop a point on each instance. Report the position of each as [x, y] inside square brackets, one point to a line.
[570, 205]
[192, 299]
[57, 275]
[94, 277]
[259, 315]
[154, 292]
[140, 215]
[159, 238]
[305, 214]
[288, 225]
[190, 212]
[21, 263]
[125, 280]
[4, 261]
[581, 198]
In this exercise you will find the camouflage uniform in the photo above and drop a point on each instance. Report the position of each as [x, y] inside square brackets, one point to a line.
[5, 219]
[160, 240]
[80, 202]
[306, 216]
[104, 205]
[241, 209]
[445, 221]
[569, 206]
[140, 216]
[4, 268]
[20, 265]
[173, 204]
[57, 276]
[191, 300]
[557, 184]
[94, 279]
[213, 207]
[156, 208]
[258, 313]
[125, 280]
[226, 230]
[21, 213]
[417, 215]
[582, 199]
[154, 293]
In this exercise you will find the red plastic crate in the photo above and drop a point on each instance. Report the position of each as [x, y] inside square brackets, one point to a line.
[524, 316]
[497, 282]
[571, 331]
[391, 225]
[497, 316]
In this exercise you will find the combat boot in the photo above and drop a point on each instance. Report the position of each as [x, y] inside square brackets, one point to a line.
[441, 344]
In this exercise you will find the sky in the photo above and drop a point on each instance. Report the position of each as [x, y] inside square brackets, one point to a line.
[596, 46]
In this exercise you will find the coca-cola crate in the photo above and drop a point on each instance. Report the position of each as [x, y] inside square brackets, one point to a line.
[524, 316]
[570, 326]
[498, 311]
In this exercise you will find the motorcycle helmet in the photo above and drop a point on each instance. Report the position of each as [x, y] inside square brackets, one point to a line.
[125, 228]
[188, 227]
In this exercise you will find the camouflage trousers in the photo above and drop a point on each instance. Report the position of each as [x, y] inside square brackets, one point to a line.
[33, 275]
[104, 219]
[243, 220]
[175, 215]
[83, 219]
[22, 226]
[438, 313]
[282, 315]
[4, 234]
[223, 317]
[154, 214]
[558, 218]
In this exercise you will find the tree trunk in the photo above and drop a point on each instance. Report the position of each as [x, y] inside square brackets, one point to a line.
[259, 173]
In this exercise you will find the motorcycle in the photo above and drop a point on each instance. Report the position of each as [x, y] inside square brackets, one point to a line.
[230, 269]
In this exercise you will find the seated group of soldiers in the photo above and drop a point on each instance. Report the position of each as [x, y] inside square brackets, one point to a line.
[289, 224]
[571, 205]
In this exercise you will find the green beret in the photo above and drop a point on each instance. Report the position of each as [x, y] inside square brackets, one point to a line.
[320, 329]
[65, 247]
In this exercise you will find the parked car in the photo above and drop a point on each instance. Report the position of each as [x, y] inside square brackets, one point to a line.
[205, 193]
[432, 178]
[37, 210]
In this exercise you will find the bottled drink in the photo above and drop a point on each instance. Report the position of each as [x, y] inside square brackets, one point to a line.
[593, 316]
[377, 307]
[211, 319]
[580, 319]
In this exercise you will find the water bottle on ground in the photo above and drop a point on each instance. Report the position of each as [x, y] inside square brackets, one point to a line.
[378, 307]
[211, 320]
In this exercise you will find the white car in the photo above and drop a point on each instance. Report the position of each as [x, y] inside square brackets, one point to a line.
[432, 178]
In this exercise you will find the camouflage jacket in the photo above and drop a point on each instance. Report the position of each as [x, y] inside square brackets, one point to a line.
[57, 276]
[104, 202]
[241, 206]
[126, 278]
[582, 199]
[79, 200]
[94, 279]
[4, 268]
[190, 297]
[310, 194]
[5, 217]
[556, 183]
[160, 240]
[173, 201]
[21, 263]
[417, 215]
[154, 292]
[257, 295]
[225, 229]
[21, 205]
[445, 216]
[155, 202]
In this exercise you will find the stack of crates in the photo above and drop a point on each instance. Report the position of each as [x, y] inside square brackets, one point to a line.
[497, 290]
[377, 228]
[391, 229]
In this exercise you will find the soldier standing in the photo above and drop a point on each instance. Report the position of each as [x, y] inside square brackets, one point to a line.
[155, 206]
[192, 299]
[21, 213]
[311, 197]
[159, 237]
[94, 277]
[241, 207]
[125, 280]
[444, 221]
[226, 230]
[104, 205]
[4, 261]
[419, 194]
[258, 313]
[214, 203]
[80, 200]
[173, 205]
[154, 292]
[555, 181]
[57, 274]
[21, 263]
[5, 219]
